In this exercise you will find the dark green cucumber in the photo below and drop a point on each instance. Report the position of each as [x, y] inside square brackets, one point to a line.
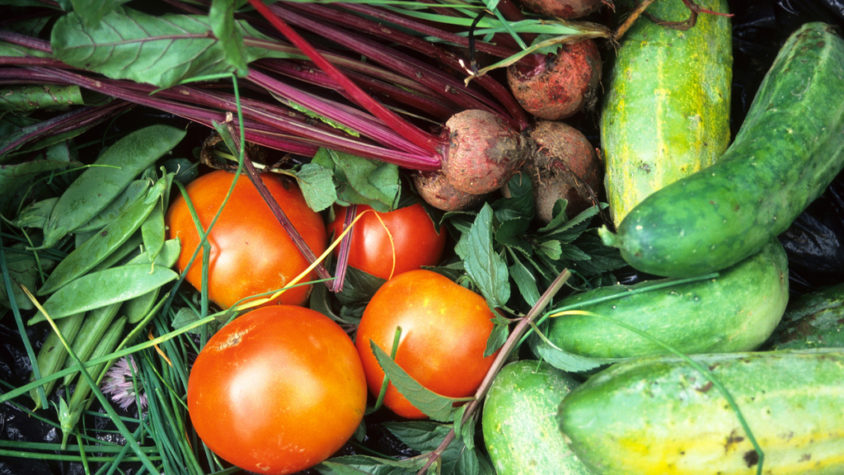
[814, 320]
[789, 148]
[658, 415]
[736, 311]
[519, 421]
[666, 114]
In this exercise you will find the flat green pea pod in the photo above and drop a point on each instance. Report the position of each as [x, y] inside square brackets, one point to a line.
[96, 324]
[659, 415]
[105, 287]
[103, 243]
[519, 422]
[139, 307]
[110, 174]
[80, 398]
[813, 320]
[52, 355]
[787, 151]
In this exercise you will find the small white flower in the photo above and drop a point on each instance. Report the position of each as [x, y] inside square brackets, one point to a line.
[119, 385]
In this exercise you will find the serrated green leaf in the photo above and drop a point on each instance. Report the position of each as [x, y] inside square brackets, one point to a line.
[162, 50]
[551, 248]
[317, 185]
[467, 463]
[485, 267]
[421, 436]
[426, 436]
[105, 287]
[365, 464]
[499, 334]
[361, 181]
[525, 281]
[114, 169]
[435, 406]
[564, 360]
[574, 253]
[520, 204]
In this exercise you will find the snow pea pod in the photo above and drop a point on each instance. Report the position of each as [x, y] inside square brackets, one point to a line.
[96, 324]
[104, 287]
[52, 355]
[93, 251]
[114, 169]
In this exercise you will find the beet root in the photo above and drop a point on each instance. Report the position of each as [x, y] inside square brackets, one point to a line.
[554, 87]
[565, 166]
[565, 9]
[438, 192]
[483, 151]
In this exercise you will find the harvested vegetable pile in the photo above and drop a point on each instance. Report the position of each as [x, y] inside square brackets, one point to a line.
[436, 237]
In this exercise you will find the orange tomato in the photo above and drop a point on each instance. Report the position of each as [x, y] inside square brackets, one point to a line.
[250, 252]
[277, 390]
[444, 330]
[415, 241]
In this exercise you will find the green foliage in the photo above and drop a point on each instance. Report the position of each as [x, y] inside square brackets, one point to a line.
[355, 180]
[162, 50]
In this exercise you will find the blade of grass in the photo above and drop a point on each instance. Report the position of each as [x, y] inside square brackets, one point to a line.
[10, 295]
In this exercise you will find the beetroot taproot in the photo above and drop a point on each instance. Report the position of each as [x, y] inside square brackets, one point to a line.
[483, 151]
[565, 9]
[438, 192]
[557, 86]
[565, 166]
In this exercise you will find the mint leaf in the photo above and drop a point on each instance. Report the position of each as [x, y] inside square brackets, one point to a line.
[435, 406]
[483, 264]
[317, 185]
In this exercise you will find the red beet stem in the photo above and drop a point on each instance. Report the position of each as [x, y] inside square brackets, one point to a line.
[422, 139]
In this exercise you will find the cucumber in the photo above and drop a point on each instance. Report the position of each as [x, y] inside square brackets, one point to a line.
[519, 422]
[667, 109]
[659, 415]
[814, 320]
[787, 151]
[736, 311]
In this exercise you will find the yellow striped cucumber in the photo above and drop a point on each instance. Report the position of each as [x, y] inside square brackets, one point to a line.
[658, 415]
[667, 109]
[787, 151]
[735, 311]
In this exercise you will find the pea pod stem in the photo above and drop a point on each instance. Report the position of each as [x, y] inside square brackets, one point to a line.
[509, 345]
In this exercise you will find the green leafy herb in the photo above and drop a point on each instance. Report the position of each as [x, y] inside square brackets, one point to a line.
[162, 50]
[435, 406]
[360, 180]
[483, 264]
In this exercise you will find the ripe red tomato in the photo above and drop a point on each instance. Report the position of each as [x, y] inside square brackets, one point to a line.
[277, 390]
[250, 252]
[416, 241]
[444, 330]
